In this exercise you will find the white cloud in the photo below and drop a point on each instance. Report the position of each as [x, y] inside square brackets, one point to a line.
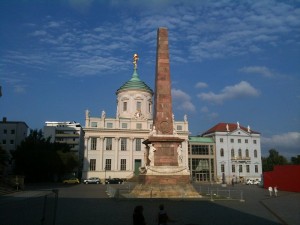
[182, 101]
[242, 89]
[261, 70]
[201, 85]
[286, 143]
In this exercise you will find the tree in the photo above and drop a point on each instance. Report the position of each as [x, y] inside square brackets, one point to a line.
[40, 160]
[295, 160]
[272, 160]
[3, 159]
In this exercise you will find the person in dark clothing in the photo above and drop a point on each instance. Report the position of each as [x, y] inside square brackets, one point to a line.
[138, 217]
[162, 216]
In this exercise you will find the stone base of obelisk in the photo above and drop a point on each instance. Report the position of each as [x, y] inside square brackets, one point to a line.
[165, 182]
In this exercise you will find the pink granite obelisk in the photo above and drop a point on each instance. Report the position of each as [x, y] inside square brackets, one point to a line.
[163, 165]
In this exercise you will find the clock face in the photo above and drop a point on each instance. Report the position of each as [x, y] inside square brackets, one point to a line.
[165, 127]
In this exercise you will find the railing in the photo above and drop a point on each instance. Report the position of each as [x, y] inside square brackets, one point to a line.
[240, 158]
[34, 207]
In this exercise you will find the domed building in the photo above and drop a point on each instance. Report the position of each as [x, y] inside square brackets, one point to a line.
[114, 145]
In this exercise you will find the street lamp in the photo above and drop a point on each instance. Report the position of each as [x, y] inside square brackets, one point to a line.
[105, 174]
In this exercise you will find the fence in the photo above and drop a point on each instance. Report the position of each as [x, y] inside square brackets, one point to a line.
[214, 193]
[34, 208]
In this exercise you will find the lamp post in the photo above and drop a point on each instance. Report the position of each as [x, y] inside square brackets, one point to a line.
[105, 175]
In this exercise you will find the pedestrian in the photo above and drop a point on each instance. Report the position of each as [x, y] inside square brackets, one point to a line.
[232, 182]
[275, 191]
[138, 216]
[162, 217]
[270, 191]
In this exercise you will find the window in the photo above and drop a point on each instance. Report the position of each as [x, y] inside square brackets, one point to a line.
[108, 164]
[123, 164]
[254, 142]
[200, 150]
[12, 142]
[12, 131]
[109, 125]
[246, 141]
[256, 168]
[179, 127]
[255, 153]
[221, 140]
[138, 106]
[222, 168]
[221, 152]
[93, 124]
[138, 144]
[239, 141]
[247, 153]
[4, 131]
[4, 141]
[92, 164]
[240, 168]
[93, 143]
[240, 153]
[232, 140]
[124, 106]
[232, 153]
[233, 168]
[123, 144]
[247, 168]
[108, 143]
[138, 126]
[124, 125]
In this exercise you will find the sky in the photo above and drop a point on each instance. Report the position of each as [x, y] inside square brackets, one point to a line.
[231, 61]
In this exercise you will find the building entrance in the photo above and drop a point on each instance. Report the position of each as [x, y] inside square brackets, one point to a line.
[137, 165]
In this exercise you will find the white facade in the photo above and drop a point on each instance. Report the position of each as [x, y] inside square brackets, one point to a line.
[238, 152]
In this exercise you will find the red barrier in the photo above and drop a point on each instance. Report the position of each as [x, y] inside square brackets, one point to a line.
[285, 178]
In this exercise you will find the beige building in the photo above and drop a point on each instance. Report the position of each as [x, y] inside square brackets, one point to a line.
[113, 146]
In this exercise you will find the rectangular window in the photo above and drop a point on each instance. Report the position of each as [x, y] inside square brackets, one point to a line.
[124, 106]
[109, 125]
[108, 164]
[123, 144]
[200, 150]
[93, 124]
[247, 168]
[12, 131]
[256, 168]
[232, 140]
[93, 143]
[246, 141]
[221, 140]
[92, 164]
[124, 125]
[233, 168]
[222, 168]
[123, 164]
[138, 106]
[4, 131]
[4, 141]
[239, 141]
[108, 143]
[12, 142]
[179, 127]
[138, 144]
[240, 168]
[139, 126]
[254, 141]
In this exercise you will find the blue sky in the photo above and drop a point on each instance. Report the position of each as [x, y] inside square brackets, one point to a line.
[230, 61]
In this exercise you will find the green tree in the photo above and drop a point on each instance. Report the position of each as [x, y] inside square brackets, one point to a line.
[272, 160]
[295, 160]
[3, 159]
[40, 160]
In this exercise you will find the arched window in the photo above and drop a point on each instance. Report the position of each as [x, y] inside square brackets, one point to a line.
[222, 152]
[247, 153]
[232, 153]
[255, 153]
[240, 152]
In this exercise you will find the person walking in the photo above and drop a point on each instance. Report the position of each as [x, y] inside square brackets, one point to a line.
[162, 216]
[270, 191]
[275, 191]
[138, 216]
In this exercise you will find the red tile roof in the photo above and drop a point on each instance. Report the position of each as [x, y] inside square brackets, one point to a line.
[221, 127]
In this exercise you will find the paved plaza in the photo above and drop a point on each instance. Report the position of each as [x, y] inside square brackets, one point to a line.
[94, 207]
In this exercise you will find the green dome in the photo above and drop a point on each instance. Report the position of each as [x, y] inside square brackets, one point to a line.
[135, 83]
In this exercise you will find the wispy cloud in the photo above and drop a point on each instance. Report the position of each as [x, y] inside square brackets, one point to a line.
[242, 89]
[182, 101]
[260, 70]
[201, 85]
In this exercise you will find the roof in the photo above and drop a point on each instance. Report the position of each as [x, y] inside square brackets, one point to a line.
[222, 127]
[135, 83]
[201, 139]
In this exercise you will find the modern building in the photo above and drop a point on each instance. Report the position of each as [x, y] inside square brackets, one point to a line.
[12, 133]
[114, 145]
[70, 133]
[238, 152]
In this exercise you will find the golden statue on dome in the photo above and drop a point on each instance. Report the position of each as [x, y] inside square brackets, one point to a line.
[135, 59]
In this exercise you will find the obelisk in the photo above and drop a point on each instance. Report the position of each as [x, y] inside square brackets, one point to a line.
[163, 143]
